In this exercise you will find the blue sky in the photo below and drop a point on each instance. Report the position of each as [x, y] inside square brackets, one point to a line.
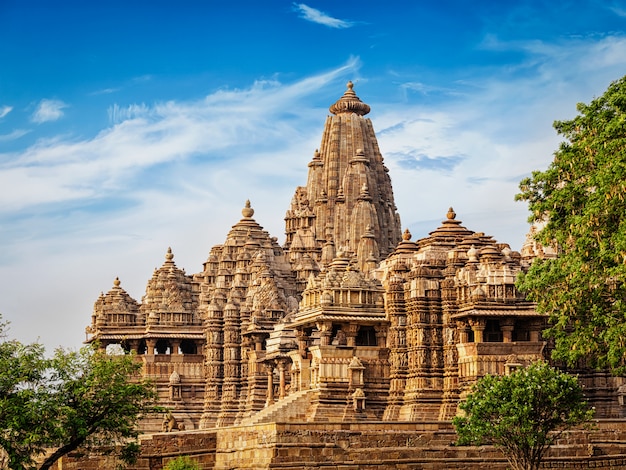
[127, 127]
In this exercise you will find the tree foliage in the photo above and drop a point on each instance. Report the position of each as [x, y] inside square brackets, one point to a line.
[24, 405]
[522, 413]
[581, 198]
[83, 399]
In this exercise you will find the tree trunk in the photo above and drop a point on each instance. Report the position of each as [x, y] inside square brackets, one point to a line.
[60, 452]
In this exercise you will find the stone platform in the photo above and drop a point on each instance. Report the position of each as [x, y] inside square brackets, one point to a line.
[358, 446]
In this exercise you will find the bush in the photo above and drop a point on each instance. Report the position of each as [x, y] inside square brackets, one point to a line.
[182, 463]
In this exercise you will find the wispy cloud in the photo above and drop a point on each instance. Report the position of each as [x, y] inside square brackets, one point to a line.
[16, 134]
[119, 113]
[619, 10]
[488, 131]
[48, 110]
[4, 110]
[316, 16]
[233, 125]
[413, 161]
[105, 91]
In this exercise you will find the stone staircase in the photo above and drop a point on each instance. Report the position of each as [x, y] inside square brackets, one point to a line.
[293, 408]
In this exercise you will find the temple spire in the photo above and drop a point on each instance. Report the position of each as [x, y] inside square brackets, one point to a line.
[348, 193]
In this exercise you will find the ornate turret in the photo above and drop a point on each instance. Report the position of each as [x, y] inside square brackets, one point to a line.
[348, 193]
[112, 311]
[169, 298]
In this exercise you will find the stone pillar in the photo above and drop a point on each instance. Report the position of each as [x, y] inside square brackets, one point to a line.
[270, 385]
[507, 325]
[326, 331]
[175, 346]
[351, 333]
[281, 375]
[381, 335]
[213, 361]
[478, 327]
[535, 331]
[302, 342]
[151, 345]
[462, 328]
[133, 345]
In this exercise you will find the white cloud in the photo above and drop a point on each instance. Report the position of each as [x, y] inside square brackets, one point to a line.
[4, 110]
[16, 134]
[118, 114]
[316, 16]
[471, 149]
[48, 110]
[232, 124]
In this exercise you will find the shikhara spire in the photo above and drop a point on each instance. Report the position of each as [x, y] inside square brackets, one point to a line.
[348, 194]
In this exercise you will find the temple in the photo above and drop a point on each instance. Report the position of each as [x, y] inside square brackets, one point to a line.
[350, 320]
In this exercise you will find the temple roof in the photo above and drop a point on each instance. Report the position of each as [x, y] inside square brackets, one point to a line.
[116, 301]
[169, 289]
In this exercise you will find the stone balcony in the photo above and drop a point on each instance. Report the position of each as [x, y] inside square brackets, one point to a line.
[479, 359]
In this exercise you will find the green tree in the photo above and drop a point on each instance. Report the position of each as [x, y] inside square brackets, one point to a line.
[581, 198]
[83, 399]
[523, 413]
[24, 412]
[182, 463]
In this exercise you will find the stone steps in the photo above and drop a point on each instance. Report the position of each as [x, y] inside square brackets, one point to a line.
[293, 407]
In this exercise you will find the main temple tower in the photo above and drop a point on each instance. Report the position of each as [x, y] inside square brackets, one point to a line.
[347, 204]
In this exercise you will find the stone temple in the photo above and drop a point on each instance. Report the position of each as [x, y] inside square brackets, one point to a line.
[349, 321]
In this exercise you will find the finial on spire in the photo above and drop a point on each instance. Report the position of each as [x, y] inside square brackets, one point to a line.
[350, 103]
[116, 282]
[451, 215]
[247, 211]
[169, 256]
[406, 235]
